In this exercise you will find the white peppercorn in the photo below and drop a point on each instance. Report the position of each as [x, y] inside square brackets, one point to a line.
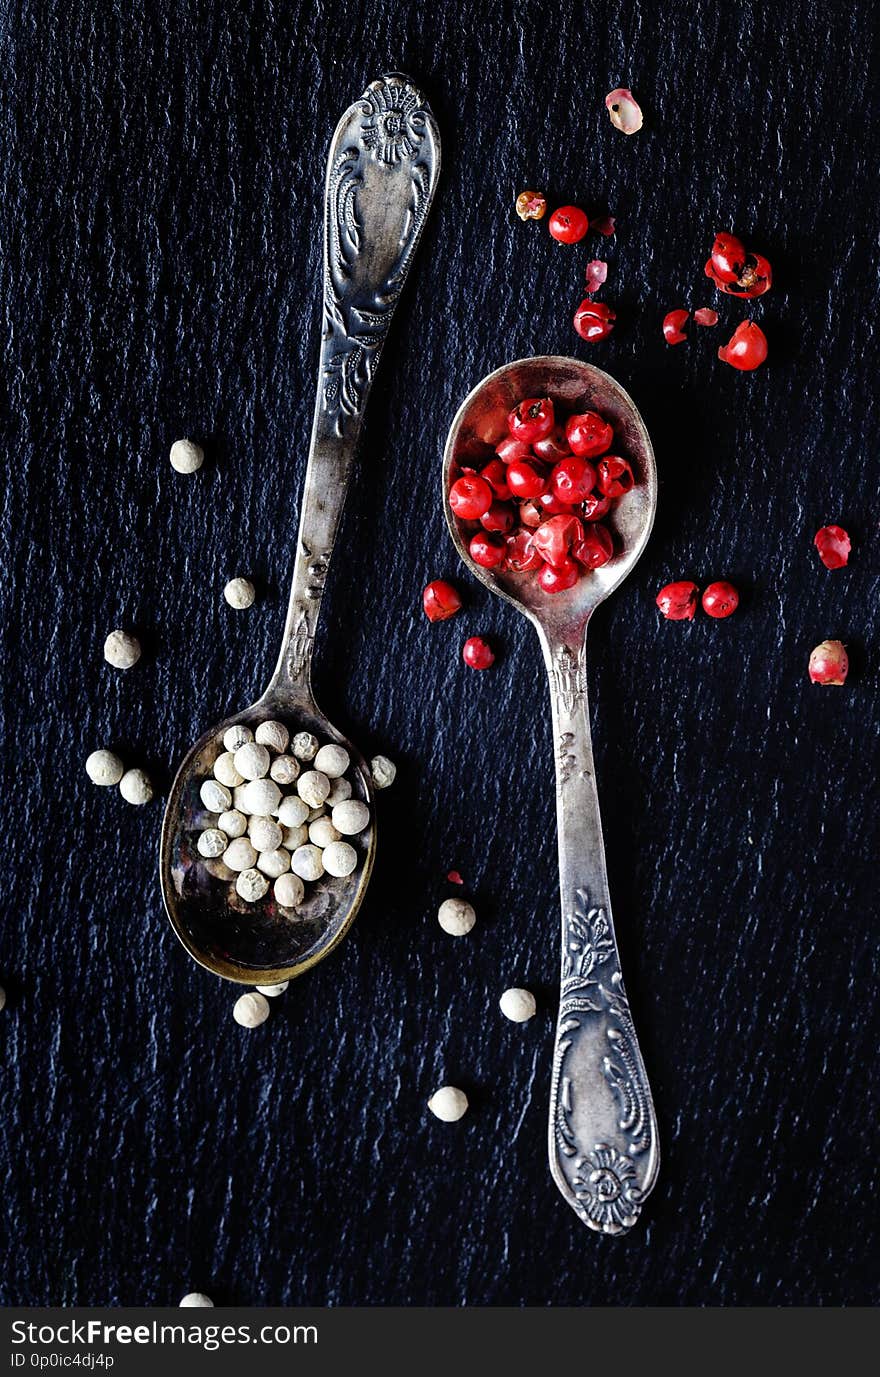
[518, 1005]
[103, 767]
[284, 769]
[305, 746]
[322, 832]
[350, 817]
[225, 771]
[332, 760]
[239, 801]
[294, 837]
[135, 787]
[251, 885]
[383, 770]
[215, 796]
[448, 1103]
[340, 790]
[240, 593]
[251, 1010]
[274, 735]
[289, 890]
[456, 916]
[252, 760]
[259, 796]
[186, 456]
[212, 842]
[274, 863]
[307, 863]
[236, 737]
[122, 650]
[313, 786]
[292, 811]
[233, 823]
[315, 813]
[272, 991]
[339, 858]
[264, 833]
[240, 855]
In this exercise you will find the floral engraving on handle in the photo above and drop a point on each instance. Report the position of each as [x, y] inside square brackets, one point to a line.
[299, 651]
[394, 120]
[569, 678]
[606, 1195]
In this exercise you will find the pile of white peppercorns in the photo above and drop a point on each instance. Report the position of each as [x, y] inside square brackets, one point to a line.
[282, 812]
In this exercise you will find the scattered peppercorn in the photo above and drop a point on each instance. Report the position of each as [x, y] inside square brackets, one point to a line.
[568, 224]
[135, 787]
[833, 545]
[531, 205]
[104, 768]
[195, 1300]
[673, 326]
[250, 1010]
[186, 456]
[747, 347]
[477, 653]
[594, 320]
[606, 225]
[596, 274]
[518, 1005]
[383, 770]
[829, 663]
[456, 916]
[704, 315]
[624, 110]
[239, 593]
[448, 1103]
[720, 599]
[122, 650]
[678, 601]
[735, 271]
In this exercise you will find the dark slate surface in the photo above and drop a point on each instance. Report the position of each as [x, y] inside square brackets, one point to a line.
[161, 227]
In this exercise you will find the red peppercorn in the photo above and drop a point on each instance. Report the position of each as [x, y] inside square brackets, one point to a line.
[673, 326]
[454, 878]
[678, 601]
[594, 320]
[829, 663]
[747, 347]
[525, 480]
[588, 434]
[555, 538]
[568, 224]
[595, 548]
[530, 514]
[477, 653]
[495, 475]
[736, 272]
[500, 517]
[557, 580]
[521, 553]
[728, 257]
[615, 476]
[833, 545]
[606, 224]
[720, 599]
[704, 315]
[572, 479]
[510, 449]
[470, 496]
[595, 506]
[553, 447]
[531, 420]
[440, 601]
[596, 274]
[550, 505]
[487, 550]
[531, 205]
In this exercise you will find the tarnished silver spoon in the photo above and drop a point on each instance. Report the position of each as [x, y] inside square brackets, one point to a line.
[381, 175]
[603, 1130]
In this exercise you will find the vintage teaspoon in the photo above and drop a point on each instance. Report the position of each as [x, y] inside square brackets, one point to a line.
[603, 1130]
[381, 175]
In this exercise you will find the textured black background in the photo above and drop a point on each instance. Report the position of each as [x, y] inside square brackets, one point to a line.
[160, 206]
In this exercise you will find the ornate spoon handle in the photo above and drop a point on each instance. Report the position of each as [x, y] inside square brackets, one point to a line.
[603, 1130]
[381, 175]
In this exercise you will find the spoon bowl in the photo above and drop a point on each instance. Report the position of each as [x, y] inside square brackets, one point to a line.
[256, 944]
[602, 1127]
[481, 422]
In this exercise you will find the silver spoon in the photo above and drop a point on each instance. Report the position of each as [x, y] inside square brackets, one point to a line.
[603, 1130]
[382, 172]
